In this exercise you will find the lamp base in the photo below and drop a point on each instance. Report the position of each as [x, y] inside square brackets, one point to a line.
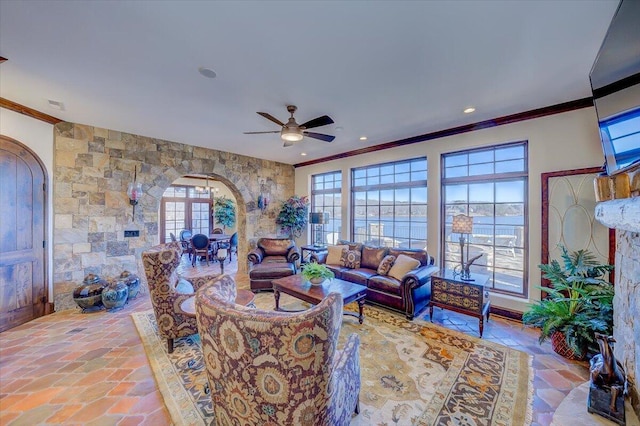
[467, 279]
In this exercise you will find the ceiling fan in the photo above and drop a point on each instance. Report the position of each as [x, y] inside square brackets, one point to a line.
[293, 132]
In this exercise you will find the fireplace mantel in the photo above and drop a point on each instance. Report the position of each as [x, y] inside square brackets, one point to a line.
[623, 214]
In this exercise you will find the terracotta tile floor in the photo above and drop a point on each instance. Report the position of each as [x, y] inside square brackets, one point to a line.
[90, 369]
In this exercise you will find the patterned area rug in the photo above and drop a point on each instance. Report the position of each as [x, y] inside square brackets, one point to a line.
[413, 373]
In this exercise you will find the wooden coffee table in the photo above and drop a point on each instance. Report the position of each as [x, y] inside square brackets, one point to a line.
[243, 297]
[296, 286]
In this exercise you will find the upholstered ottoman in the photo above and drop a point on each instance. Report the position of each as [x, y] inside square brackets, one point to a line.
[261, 274]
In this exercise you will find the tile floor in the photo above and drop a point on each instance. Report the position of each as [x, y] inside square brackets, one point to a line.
[90, 369]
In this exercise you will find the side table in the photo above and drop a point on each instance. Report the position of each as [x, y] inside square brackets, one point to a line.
[310, 249]
[448, 291]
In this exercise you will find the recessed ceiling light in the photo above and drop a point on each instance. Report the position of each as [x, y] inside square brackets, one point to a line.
[207, 72]
[56, 105]
[469, 110]
[303, 153]
[363, 138]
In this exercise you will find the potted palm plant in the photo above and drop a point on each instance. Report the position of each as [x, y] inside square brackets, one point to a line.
[316, 273]
[579, 304]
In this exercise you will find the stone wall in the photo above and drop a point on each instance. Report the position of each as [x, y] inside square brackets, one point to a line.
[92, 169]
[624, 216]
[626, 307]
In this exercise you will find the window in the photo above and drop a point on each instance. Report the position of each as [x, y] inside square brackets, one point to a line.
[326, 196]
[389, 204]
[184, 207]
[489, 184]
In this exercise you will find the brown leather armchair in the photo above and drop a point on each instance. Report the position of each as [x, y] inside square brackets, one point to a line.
[272, 258]
[276, 368]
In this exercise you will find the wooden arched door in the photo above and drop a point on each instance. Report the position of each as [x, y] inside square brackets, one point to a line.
[23, 282]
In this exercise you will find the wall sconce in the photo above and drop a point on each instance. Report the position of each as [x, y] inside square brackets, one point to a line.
[134, 191]
[462, 225]
[263, 198]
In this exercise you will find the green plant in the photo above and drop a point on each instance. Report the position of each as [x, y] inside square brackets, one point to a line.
[316, 270]
[293, 215]
[579, 304]
[224, 212]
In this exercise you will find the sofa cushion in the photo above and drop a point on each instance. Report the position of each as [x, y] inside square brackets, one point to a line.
[337, 270]
[351, 244]
[358, 276]
[402, 265]
[334, 254]
[386, 284]
[372, 256]
[271, 271]
[420, 255]
[386, 264]
[350, 258]
[274, 246]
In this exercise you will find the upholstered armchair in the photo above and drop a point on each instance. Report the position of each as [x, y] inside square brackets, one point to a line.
[277, 368]
[272, 258]
[160, 263]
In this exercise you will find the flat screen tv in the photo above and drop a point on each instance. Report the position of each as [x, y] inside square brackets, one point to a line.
[615, 82]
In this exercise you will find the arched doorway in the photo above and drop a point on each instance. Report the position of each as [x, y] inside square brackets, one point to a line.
[23, 282]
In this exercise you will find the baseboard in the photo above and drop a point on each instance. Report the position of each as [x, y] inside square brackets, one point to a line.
[506, 313]
[48, 308]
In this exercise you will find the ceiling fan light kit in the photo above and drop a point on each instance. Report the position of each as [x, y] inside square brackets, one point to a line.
[294, 132]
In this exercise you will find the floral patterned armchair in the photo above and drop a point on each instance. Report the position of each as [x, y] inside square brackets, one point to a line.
[160, 263]
[277, 368]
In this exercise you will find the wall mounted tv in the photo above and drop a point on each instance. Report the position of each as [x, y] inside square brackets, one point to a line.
[615, 82]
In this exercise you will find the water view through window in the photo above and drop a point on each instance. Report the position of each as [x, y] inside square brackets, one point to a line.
[490, 185]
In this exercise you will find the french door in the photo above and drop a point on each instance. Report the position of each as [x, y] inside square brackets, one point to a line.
[183, 207]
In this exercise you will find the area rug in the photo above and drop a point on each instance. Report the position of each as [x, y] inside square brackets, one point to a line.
[413, 373]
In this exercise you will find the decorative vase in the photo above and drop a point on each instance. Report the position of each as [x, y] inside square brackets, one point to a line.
[132, 281]
[88, 295]
[114, 296]
[560, 346]
[316, 281]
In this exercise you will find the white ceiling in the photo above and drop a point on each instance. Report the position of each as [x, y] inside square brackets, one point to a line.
[385, 69]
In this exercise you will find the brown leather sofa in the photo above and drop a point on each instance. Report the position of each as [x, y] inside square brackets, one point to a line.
[408, 293]
[272, 258]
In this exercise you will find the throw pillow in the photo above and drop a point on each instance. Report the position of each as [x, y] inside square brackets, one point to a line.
[402, 265]
[386, 264]
[350, 258]
[334, 254]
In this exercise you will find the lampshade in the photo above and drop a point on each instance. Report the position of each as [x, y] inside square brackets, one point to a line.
[462, 224]
[318, 218]
[291, 134]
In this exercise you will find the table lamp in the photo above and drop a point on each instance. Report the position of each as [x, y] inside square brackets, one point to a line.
[463, 224]
[318, 220]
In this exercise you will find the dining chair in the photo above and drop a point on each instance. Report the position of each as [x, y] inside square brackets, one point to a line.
[200, 246]
[185, 242]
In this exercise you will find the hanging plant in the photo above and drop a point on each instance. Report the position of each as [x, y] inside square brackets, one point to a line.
[293, 216]
[224, 212]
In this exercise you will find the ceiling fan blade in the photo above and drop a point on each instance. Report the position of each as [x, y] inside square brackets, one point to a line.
[257, 133]
[288, 143]
[271, 118]
[317, 122]
[322, 137]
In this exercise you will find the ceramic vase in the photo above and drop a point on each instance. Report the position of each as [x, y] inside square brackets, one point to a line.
[88, 295]
[114, 296]
[132, 281]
